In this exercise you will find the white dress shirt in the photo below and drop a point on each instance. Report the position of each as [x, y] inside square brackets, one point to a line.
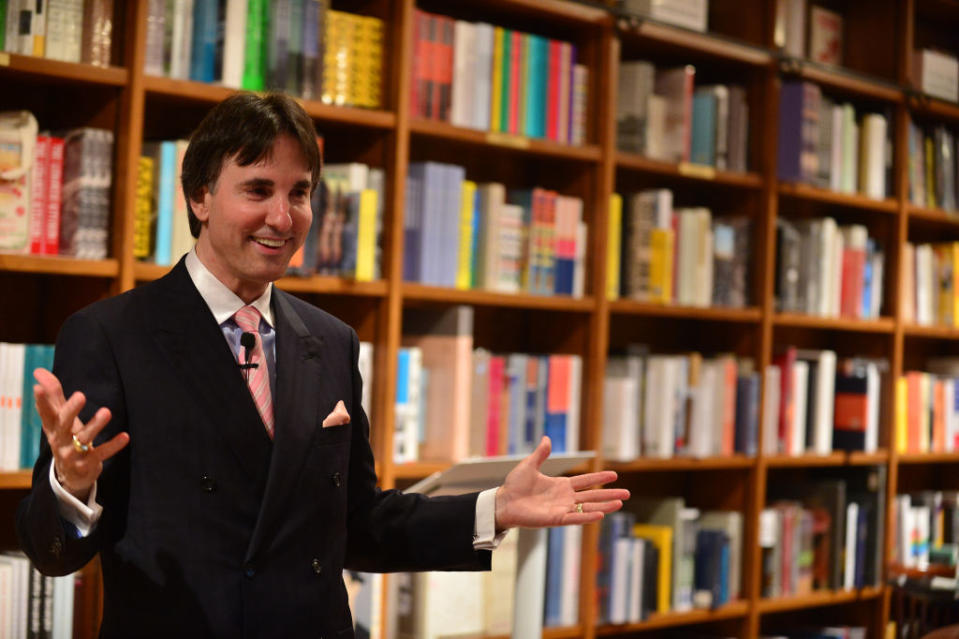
[224, 303]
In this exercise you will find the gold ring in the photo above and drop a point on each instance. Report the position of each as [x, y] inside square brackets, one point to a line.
[579, 508]
[79, 446]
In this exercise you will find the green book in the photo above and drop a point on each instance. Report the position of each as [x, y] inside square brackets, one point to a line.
[505, 93]
[254, 57]
[3, 23]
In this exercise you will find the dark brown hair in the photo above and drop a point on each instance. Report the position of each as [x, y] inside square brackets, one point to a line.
[243, 128]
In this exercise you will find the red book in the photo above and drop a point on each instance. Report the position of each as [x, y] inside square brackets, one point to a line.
[418, 79]
[552, 91]
[431, 107]
[497, 368]
[787, 403]
[938, 416]
[515, 77]
[38, 192]
[446, 33]
[51, 234]
[853, 267]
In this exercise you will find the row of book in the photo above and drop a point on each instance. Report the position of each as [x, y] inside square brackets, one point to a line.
[490, 78]
[161, 230]
[661, 114]
[930, 288]
[662, 556]
[461, 234]
[32, 605]
[825, 534]
[805, 30]
[816, 402]
[658, 253]
[299, 46]
[926, 529]
[933, 169]
[828, 270]
[927, 408]
[455, 401]
[663, 406]
[61, 205]
[68, 30]
[830, 145]
[20, 427]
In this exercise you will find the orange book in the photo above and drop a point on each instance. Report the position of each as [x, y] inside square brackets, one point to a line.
[913, 397]
[938, 416]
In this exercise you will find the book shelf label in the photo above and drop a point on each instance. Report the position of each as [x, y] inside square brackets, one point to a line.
[700, 171]
[505, 139]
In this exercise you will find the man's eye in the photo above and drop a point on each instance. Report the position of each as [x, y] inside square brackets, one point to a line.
[258, 191]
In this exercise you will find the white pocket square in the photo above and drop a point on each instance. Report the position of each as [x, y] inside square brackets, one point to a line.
[338, 417]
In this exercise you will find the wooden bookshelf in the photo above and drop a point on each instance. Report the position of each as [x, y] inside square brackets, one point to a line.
[138, 106]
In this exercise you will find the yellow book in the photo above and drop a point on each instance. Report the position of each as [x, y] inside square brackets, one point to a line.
[143, 213]
[924, 400]
[366, 236]
[954, 253]
[661, 243]
[464, 267]
[496, 84]
[613, 242]
[902, 403]
[662, 538]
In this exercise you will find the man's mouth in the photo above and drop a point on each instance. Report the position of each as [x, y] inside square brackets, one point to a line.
[269, 243]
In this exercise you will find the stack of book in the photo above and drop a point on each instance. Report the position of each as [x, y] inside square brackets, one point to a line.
[663, 406]
[816, 403]
[929, 289]
[20, 427]
[926, 529]
[68, 30]
[821, 42]
[658, 253]
[927, 408]
[662, 115]
[34, 605]
[828, 270]
[490, 78]
[461, 234]
[933, 169]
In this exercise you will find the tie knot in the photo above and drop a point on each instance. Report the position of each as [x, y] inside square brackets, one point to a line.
[248, 319]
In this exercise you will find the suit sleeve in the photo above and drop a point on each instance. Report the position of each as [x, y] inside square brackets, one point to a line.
[83, 361]
[389, 531]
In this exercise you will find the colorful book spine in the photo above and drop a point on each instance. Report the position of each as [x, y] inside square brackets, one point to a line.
[51, 232]
[254, 55]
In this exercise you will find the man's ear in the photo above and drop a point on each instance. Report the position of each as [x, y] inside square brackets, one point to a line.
[200, 203]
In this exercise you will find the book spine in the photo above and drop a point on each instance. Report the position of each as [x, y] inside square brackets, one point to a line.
[51, 234]
[39, 186]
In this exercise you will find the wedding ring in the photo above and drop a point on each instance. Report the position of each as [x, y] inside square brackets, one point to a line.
[579, 508]
[79, 446]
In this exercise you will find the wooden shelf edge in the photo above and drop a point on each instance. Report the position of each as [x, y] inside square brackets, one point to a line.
[705, 43]
[801, 320]
[56, 265]
[937, 216]
[935, 331]
[16, 480]
[213, 93]
[927, 105]
[495, 139]
[631, 307]
[928, 458]
[826, 196]
[426, 293]
[835, 458]
[731, 610]
[818, 599]
[682, 464]
[553, 9]
[418, 470]
[688, 171]
[844, 80]
[73, 71]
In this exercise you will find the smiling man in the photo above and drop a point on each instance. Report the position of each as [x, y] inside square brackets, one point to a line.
[204, 432]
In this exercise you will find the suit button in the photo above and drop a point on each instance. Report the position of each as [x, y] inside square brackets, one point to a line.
[249, 570]
[317, 566]
[207, 483]
[56, 547]
[337, 479]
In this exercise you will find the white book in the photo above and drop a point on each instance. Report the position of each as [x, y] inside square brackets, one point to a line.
[620, 579]
[800, 386]
[924, 284]
[572, 569]
[365, 365]
[234, 42]
[825, 399]
[182, 39]
[63, 588]
[620, 405]
[482, 74]
[575, 392]
[872, 407]
[448, 603]
[655, 127]
[657, 407]
[849, 567]
[920, 548]
[770, 416]
[703, 429]
[872, 160]
[579, 267]
[500, 585]
[835, 149]
[19, 592]
[827, 276]
[635, 603]
[937, 74]
[6, 599]
[64, 26]
[464, 50]
[492, 199]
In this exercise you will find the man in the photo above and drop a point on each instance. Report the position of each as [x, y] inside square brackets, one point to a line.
[217, 457]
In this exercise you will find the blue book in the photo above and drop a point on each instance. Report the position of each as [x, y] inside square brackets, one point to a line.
[516, 385]
[203, 56]
[350, 235]
[413, 224]
[554, 576]
[166, 191]
[747, 414]
[536, 89]
[478, 225]
[703, 148]
[614, 526]
[30, 426]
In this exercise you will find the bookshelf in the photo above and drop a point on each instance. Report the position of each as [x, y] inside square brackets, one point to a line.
[137, 106]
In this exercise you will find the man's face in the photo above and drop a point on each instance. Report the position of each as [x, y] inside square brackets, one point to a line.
[255, 218]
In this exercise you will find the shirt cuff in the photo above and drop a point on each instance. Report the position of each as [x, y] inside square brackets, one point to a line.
[484, 526]
[84, 517]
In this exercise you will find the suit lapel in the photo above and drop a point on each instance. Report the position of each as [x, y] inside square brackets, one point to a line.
[189, 336]
[299, 394]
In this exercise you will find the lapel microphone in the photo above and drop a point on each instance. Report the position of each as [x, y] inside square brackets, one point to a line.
[247, 341]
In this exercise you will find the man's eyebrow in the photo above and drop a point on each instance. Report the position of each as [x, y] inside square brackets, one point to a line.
[302, 184]
[256, 182]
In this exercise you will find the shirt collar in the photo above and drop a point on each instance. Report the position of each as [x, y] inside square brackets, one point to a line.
[223, 302]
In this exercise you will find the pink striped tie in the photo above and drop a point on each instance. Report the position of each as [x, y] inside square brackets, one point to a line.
[248, 319]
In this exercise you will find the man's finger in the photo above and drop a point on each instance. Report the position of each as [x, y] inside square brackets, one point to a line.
[578, 519]
[50, 384]
[609, 506]
[604, 494]
[110, 448]
[580, 482]
[89, 432]
[538, 456]
[70, 412]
